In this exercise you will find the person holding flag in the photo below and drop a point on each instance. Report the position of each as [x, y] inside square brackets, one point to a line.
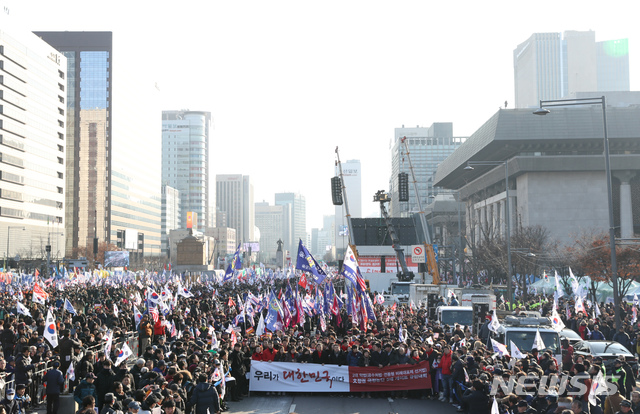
[308, 264]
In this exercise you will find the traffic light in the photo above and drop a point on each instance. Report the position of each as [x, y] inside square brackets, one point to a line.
[336, 191]
[403, 187]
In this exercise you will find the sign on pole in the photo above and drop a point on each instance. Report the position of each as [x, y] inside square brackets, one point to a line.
[418, 254]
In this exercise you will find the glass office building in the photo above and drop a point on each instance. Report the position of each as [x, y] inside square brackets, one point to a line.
[111, 190]
[428, 147]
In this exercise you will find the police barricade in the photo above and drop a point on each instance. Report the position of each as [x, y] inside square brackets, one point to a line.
[297, 377]
[34, 389]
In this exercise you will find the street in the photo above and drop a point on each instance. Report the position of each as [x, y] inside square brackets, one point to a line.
[300, 404]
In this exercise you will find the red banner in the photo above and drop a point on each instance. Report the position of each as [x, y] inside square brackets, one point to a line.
[391, 378]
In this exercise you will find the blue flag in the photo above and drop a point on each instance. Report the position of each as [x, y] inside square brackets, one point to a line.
[69, 307]
[235, 264]
[307, 263]
[272, 322]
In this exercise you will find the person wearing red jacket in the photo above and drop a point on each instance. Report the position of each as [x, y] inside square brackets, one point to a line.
[445, 363]
[257, 354]
[269, 354]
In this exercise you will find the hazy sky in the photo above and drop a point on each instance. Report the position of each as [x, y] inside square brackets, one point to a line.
[288, 81]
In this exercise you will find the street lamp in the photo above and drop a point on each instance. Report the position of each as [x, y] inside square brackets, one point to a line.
[469, 167]
[8, 230]
[607, 163]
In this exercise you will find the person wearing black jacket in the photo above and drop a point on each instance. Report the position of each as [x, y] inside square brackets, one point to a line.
[476, 399]
[54, 380]
[205, 397]
[66, 346]
[336, 356]
[106, 378]
[23, 367]
[238, 370]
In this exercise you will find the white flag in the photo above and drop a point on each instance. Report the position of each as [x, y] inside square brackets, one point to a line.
[556, 322]
[636, 302]
[598, 387]
[537, 342]
[597, 309]
[494, 407]
[22, 309]
[515, 352]
[495, 324]
[107, 345]
[115, 310]
[50, 331]
[499, 348]
[260, 330]
[559, 291]
[579, 306]
[37, 298]
[125, 352]
[71, 373]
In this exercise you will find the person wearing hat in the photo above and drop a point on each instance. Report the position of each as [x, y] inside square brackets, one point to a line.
[625, 407]
[54, 381]
[85, 388]
[133, 407]
[22, 398]
[9, 402]
[205, 397]
[618, 376]
[238, 371]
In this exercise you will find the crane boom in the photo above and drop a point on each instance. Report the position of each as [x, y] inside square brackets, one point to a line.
[404, 274]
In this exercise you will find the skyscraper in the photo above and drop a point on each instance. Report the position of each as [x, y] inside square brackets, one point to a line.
[295, 225]
[185, 161]
[113, 185]
[32, 146]
[552, 66]
[352, 179]
[270, 221]
[428, 147]
[234, 198]
[171, 212]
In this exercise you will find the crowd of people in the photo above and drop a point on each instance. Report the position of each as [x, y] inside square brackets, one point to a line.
[196, 356]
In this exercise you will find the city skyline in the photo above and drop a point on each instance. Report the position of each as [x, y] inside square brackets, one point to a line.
[283, 92]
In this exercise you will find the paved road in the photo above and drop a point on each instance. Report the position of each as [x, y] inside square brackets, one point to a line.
[336, 405]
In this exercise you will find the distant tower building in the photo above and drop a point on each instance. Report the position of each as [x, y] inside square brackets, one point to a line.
[428, 147]
[550, 66]
[295, 224]
[270, 221]
[170, 215]
[234, 199]
[352, 179]
[185, 162]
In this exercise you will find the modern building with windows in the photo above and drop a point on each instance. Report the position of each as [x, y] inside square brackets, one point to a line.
[295, 222]
[113, 185]
[170, 215]
[33, 84]
[270, 222]
[428, 147]
[185, 161]
[553, 66]
[234, 199]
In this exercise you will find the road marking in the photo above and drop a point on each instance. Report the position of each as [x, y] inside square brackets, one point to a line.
[292, 408]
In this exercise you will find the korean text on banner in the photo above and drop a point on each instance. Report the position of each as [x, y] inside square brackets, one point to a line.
[391, 378]
[296, 377]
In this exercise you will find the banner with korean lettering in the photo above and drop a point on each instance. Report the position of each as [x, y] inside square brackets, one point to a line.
[296, 377]
[391, 378]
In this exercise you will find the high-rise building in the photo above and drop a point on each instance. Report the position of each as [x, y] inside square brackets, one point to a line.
[428, 147]
[270, 222]
[185, 162]
[295, 225]
[234, 199]
[352, 180]
[552, 66]
[32, 144]
[113, 184]
[170, 215]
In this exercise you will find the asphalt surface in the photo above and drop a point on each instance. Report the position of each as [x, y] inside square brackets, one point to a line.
[330, 403]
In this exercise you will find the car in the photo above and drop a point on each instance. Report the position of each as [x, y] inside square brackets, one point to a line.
[570, 335]
[609, 351]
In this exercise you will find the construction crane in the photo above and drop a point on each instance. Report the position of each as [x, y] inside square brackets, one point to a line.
[432, 265]
[403, 275]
